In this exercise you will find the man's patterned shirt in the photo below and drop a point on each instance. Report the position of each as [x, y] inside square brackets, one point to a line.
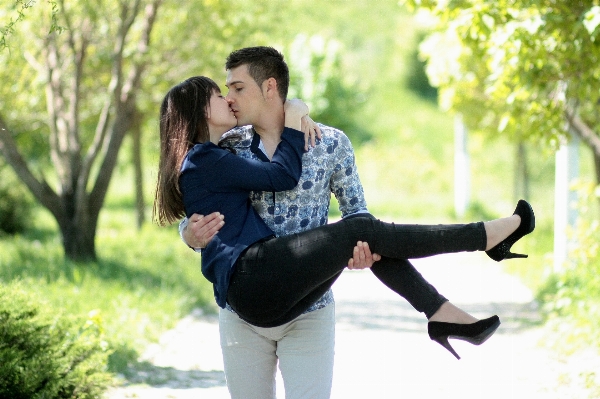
[327, 168]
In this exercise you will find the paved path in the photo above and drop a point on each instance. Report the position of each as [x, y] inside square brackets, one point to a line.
[383, 351]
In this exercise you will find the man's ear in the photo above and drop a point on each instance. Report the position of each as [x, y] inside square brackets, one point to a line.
[270, 89]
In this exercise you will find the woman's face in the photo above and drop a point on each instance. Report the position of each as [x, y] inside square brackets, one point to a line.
[220, 117]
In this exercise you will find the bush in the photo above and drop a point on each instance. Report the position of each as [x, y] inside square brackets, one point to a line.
[45, 355]
[572, 297]
[15, 202]
[417, 80]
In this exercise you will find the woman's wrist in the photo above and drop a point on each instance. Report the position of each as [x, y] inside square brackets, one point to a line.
[293, 120]
[294, 111]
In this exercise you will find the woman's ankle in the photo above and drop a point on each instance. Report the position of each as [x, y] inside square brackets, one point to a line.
[449, 313]
[499, 229]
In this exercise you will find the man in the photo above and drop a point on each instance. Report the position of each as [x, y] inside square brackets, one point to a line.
[258, 80]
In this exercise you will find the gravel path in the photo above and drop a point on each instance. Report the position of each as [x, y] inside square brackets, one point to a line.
[382, 347]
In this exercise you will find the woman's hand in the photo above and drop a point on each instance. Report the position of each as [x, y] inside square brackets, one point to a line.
[311, 130]
[296, 117]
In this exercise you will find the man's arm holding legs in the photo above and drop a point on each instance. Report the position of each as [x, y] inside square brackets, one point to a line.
[200, 229]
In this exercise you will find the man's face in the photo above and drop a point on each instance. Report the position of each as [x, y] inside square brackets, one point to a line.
[245, 96]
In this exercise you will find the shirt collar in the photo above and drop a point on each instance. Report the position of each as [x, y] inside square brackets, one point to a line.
[257, 147]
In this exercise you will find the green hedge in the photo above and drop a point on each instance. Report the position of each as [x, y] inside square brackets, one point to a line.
[572, 296]
[47, 355]
[15, 202]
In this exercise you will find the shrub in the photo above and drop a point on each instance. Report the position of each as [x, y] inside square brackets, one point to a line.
[15, 202]
[417, 80]
[573, 295]
[45, 355]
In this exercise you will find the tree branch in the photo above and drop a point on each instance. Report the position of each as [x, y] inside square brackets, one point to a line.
[40, 190]
[100, 142]
[126, 104]
[584, 132]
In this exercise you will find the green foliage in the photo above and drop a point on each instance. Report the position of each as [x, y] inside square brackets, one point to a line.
[318, 77]
[572, 297]
[416, 79]
[516, 67]
[144, 282]
[478, 211]
[20, 6]
[45, 355]
[15, 203]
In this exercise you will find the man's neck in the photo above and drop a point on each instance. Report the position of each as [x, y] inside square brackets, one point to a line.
[270, 141]
[270, 130]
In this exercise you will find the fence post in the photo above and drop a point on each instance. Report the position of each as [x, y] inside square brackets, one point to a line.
[462, 174]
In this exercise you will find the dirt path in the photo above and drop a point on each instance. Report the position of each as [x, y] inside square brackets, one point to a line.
[383, 351]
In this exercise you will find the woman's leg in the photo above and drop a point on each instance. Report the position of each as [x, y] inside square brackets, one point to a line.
[289, 304]
[273, 277]
[401, 277]
[450, 313]
[406, 241]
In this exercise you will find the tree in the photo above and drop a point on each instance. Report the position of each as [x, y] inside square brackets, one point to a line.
[523, 68]
[318, 76]
[69, 96]
[20, 8]
[103, 74]
[91, 92]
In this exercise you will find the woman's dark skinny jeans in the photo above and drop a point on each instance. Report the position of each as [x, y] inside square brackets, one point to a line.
[276, 280]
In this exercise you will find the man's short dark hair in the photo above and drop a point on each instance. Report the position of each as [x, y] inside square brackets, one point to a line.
[263, 63]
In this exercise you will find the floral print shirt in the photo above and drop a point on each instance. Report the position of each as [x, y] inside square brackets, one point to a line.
[327, 168]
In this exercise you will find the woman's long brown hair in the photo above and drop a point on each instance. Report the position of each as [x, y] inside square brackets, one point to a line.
[182, 124]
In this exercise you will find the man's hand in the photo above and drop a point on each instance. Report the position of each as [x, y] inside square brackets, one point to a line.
[362, 257]
[201, 229]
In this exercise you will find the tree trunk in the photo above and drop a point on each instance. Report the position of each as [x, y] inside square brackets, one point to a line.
[78, 238]
[597, 164]
[588, 136]
[77, 222]
[136, 133]
[521, 187]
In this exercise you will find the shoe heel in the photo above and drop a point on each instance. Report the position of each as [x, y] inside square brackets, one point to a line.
[474, 333]
[527, 225]
[443, 340]
[511, 255]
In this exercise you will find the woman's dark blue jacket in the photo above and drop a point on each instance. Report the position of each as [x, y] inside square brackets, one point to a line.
[213, 179]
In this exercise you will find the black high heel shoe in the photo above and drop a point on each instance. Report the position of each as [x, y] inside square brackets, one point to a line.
[502, 250]
[475, 333]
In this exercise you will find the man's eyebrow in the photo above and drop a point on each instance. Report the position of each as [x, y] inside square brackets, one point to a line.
[233, 83]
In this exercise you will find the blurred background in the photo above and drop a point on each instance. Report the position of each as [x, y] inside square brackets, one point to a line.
[455, 110]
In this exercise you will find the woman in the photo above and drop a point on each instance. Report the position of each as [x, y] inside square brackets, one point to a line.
[244, 260]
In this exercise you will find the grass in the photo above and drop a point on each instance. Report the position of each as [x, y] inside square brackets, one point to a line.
[143, 282]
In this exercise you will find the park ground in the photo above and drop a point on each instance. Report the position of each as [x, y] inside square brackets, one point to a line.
[382, 347]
